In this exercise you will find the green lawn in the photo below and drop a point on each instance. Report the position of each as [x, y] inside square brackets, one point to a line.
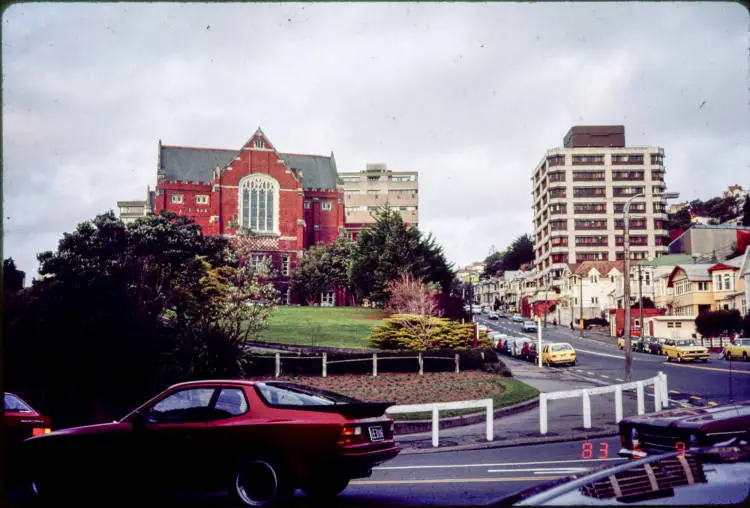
[345, 327]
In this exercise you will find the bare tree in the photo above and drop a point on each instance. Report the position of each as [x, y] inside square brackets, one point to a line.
[413, 297]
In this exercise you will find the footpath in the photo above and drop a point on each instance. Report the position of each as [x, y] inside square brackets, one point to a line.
[520, 424]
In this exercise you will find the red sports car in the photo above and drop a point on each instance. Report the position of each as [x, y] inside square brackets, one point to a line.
[258, 440]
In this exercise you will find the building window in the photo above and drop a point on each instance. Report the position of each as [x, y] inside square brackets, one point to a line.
[307, 204]
[257, 262]
[259, 203]
[201, 200]
[594, 299]
[717, 283]
[727, 282]
[594, 279]
[258, 143]
[326, 206]
[285, 265]
[327, 299]
[702, 286]
[176, 198]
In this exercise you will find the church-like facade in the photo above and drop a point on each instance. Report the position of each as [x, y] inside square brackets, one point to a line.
[286, 202]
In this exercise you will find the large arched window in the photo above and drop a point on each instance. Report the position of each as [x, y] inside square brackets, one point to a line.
[259, 204]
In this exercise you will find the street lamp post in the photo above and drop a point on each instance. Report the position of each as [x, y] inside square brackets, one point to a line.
[626, 285]
[580, 306]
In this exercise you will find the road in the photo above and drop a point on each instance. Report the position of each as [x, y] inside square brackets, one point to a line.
[698, 384]
[463, 478]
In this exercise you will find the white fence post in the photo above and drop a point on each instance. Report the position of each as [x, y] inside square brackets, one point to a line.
[657, 393]
[278, 364]
[586, 410]
[641, 402]
[618, 404]
[325, 367]
[490, 422]
[374, 365]
[456, 363]
[435, 426]
[542, 413]
[664, 391]
[421, 364]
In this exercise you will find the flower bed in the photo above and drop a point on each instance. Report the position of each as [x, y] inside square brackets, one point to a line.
[430, 387]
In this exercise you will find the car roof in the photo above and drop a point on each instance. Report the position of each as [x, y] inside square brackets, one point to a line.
[204, 382]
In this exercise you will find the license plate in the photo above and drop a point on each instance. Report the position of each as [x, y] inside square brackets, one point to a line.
[376, 434]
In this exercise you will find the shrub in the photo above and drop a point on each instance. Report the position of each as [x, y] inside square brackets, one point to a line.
[419, 333]
[497, 368]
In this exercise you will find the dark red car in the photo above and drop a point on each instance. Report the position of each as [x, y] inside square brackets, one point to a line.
[22, 421]
[258, 440]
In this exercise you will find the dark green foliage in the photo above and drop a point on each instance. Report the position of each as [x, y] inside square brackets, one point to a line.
[498, 368]
[746, 211]
[13, 278]
[520, 252]
[389, 250]
[714, 323]
[679, 220]
[419, 333]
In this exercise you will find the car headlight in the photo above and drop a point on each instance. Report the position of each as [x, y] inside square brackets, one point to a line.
[693, 441]
[634, 437]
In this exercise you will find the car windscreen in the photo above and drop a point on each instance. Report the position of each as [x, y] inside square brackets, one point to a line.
[292, 394]
[686, 343]
[561, 347]
[15, 405]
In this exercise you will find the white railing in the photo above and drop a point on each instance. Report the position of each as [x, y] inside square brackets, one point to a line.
[661, 398]
[325, 362]
[441, 406]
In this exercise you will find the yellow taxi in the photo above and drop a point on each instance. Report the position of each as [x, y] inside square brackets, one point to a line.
[740, 349]
[558, 353]
[683, 350]
[621, 342]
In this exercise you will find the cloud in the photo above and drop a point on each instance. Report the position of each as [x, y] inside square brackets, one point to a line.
[471, 95]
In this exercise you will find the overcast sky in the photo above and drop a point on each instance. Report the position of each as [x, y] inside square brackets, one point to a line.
[470, 95]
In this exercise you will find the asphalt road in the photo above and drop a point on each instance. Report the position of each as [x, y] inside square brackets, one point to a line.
[458, 478]
[698, 384]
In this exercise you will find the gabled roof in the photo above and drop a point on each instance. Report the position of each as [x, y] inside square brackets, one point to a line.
[693, 272]
[722, 266]
[603, 267]
[189, 164]
[668, 260]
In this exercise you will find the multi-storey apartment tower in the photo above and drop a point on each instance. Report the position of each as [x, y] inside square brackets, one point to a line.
[377, 186]
[579, 192]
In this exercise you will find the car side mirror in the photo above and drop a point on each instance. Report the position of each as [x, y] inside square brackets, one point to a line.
[143, 418]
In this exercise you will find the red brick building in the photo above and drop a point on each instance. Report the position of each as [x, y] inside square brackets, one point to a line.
[287, 202]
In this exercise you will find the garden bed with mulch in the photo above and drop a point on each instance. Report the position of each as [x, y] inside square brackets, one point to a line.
[430, 387]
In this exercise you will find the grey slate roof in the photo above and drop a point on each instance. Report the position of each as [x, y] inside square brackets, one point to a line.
[193, 164]
[197, 165]
[697, 272]
[318, 171]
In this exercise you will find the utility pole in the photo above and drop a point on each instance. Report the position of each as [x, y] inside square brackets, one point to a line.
[581, 306]
[640, 298]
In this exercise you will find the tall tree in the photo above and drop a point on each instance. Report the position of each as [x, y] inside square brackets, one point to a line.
[13, 278]
[324, 268]
[520, 252]
[679, 220]
[746, 211]
[389, 249]
[493, 264]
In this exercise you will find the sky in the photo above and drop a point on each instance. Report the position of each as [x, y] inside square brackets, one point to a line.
[470, 95]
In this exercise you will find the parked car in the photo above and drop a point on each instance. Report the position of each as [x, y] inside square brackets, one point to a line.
[705, 476]
[530, 353]
[258, 440]
[739, 349]
[655, 345]
[516, 318]
[529, 326]
[684, 350]
[519, 346]
[496, 338]
[621, 342]
[680, 429]
[558, 353]
[21, 421]
[492, 314]
[641, 345]
[476, 309]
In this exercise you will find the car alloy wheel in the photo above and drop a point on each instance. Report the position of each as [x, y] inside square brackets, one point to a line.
[261, 483]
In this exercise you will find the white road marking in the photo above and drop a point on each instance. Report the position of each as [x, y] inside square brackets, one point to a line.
[543, 470]
[599, 354]
[504, 464]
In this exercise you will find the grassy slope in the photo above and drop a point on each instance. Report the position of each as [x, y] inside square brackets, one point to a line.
[345, 327]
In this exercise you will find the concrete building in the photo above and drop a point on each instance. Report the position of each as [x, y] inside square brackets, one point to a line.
[129, 211]
[376, 186]
[579, 192]
[711, 243]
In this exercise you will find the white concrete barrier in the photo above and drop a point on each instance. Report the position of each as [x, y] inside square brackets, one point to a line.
[661, 398]
[436, 407]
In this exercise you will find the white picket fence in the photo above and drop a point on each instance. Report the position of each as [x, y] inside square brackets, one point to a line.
[661, 398]
[374, 359]
[436, 407]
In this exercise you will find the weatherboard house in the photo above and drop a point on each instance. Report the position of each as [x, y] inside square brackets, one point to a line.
[286, 202]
